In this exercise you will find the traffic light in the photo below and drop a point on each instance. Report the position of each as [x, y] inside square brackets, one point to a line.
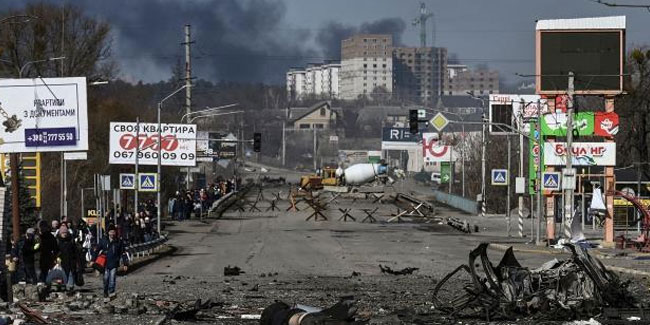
[257, 142]
[413, 121]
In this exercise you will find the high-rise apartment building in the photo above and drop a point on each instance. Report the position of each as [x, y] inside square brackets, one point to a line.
[460, 80]
[366, 65]
[419, 73]
[319, 80]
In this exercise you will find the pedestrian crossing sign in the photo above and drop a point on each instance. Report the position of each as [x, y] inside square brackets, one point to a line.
[127, 181]
[147, 182]
[551, 181]
[500, 177]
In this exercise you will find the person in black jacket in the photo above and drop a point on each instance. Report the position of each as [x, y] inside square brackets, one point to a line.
[114, 250]
[48, 249]
[68, 256]
[28, 253]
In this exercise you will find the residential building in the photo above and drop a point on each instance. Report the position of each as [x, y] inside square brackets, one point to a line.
[419, 73]
[460, 80]
[366, 65]
[318, 116]
[319, 80]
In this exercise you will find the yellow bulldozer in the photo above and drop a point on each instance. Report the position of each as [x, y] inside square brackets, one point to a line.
[326, 177]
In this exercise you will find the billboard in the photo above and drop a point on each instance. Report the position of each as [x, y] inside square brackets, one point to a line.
[178, 144]
[50, 115]
[554, 124]
[584, 153]
[592, 48]
[399, 139]
[606, 124]
[515, 111]
[433, 150]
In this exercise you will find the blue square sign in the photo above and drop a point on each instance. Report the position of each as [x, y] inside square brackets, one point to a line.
[551, 181]
[127, 181]
[147, 182]
[500, 177]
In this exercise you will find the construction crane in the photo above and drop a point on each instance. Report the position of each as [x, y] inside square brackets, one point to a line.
[422, 21]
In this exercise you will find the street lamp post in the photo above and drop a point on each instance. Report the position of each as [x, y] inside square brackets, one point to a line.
[483, 144]
[159, 210]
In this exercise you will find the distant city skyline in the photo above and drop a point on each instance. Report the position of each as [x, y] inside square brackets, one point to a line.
[258, 40]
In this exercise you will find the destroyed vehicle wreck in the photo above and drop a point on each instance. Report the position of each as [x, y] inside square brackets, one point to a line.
[575, 288]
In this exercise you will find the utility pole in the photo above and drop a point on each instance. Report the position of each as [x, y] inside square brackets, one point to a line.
[315, 149]
[540, 154]
[137, 177]
[568, 193]
[188, 82]
[508, 185]
[483, 140]
[520, 199]
[284, 143]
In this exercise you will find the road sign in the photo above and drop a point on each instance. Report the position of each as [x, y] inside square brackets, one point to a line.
[445, 172]
[500, 177]
[422, 114]
[127, 182]
[551, 181]
[147, 182]
[439, 122]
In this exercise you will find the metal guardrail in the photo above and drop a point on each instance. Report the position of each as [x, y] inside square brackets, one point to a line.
[146, 249]
[226, 201]
[457, 202]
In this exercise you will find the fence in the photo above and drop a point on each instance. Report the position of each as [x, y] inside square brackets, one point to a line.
[146, 249]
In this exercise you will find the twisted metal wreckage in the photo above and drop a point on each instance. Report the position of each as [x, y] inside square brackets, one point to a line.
[578, 286]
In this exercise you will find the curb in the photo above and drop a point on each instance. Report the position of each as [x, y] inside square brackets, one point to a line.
[501, 247]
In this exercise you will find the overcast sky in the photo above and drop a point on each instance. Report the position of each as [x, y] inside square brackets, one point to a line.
[257, 40]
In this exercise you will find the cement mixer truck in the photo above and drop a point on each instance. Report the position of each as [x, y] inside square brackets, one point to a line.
[338, 179]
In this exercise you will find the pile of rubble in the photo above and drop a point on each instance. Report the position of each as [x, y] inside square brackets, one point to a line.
[575, 288]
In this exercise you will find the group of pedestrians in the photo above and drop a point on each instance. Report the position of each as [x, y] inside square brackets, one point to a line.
[185, 203]
[58, 253]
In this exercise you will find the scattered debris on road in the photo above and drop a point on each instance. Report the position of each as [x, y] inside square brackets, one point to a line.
[461, 225]
[280, 313]
[232, 271]
[404, 271]
[565, 290]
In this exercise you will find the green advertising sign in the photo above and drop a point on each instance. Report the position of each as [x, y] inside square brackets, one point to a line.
[534, 158]
[445, 172]
[555, 124]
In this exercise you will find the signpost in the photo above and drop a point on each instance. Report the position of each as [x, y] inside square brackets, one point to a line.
[551, 181]
[148, 182]
[500, 177]
[439, 121]
[178, 144]
[127, 182]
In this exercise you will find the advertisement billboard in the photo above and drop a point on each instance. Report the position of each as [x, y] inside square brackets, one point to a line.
[44, 115]
[399, 139]
[178, 144]
[592, 48]
[554, 124]
[515, 111]
[433, 150]
[584, 153]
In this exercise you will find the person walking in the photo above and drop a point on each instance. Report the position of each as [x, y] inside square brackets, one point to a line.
[114, 250]
[28, 255]
[48, 250]
[68, 255]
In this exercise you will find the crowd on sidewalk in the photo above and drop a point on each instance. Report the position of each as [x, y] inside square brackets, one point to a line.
[183, 204]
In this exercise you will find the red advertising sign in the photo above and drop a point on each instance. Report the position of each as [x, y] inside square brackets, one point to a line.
[605, 124]
[561, 103]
